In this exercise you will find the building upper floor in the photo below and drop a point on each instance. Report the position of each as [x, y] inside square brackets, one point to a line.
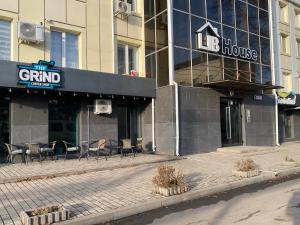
[84, 34]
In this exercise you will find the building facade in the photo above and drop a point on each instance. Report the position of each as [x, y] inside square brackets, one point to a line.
[286, 22]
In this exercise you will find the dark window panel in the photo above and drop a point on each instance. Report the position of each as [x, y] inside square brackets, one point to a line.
[150, 37]
[253, 19]
[151, 66]
[255, 73]
[199, 65]
[215, 68]
[264, 23]
[229, 33]
[266, 75]
[162, 31]
[197, 23]
[213, 10]
[228, 12]
[241, 15]
[181, 23]
[161, 5]
[182, 66]
[230, 70]
[254, 45]
[263, 4]
[265, 51]
[198, 7]
[243, 71]
[148, 9]
[253, 2]
[242, 38]
[163, 68]
[181, 5]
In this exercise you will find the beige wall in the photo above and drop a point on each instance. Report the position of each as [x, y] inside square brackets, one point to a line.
[92, 20]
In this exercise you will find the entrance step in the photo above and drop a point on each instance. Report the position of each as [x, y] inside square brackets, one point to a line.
[245, 149]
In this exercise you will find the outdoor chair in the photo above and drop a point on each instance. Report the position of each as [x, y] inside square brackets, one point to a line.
[114, 146]
[47, 150]
[139, 145]
[33, 151]
[71, 149]
[13, 152]
[127, 148]
[99, 149]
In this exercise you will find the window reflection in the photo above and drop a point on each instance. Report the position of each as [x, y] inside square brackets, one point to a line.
[213, 10]
[229, 33]
[264, 23]
[199, 63]
[151, 66]
[198, 7]
[181, 29]
[265, 51]
[182, 66]
[197, 23]
[241, 15]
[149, 37]
[254, 44]
[162, 30]
[243, 71]
[181, 5]
[162, 68]
[253, 2]
[253, 19]
[215, 71]
[148, 9]
[266, 75]
[242, 38]
[263, 4]
[230, 71]
[161, 5]
[228, 12]
[255, 73]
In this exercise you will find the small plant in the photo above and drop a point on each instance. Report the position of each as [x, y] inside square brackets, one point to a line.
[246, 165]
[167, 177]
[289, 159]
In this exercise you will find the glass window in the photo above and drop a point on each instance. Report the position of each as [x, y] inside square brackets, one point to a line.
[255, 73]
[182, 66]
[148, 9]
[151, 66]
[253, 2]
[182, 5]
[215, 68]
[197, 23]
[162, 30]
[161, 5]
[228, 12]
[5, 40]
[198, 7]
[127, 59]
[241, 15]
[64, 49]
[213, 10]
[181, 29]
[297, 18]
[229, 33]
[242, 38]
[150, 37]
[263, 4]
[264, 23]
[266, 75]
[230, 71]
[243, 71]
[253, 19]
[265, 51]
[199, 65]
[254, 45]
[163, 68]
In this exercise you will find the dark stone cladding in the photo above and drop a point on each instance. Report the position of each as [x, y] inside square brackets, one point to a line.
[76, 80]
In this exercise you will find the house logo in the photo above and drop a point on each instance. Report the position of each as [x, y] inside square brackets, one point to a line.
[208, 38]
[286, 98]
[40, 75]
[210, 41]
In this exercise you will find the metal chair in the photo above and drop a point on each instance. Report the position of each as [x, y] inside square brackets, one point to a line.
[48, 149]
[127, 148]
[13, 152]
[71, 148]
[33, 151]
[99, 149]
[139, 145]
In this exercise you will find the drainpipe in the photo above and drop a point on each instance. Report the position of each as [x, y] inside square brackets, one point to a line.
[153, 125]
[276, 120]
[177, 117]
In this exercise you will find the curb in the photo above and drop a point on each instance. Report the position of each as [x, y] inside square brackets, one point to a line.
[80, 172]
[167, 201]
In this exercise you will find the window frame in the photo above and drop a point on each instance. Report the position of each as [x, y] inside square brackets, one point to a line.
[126, 58]
[10, 55]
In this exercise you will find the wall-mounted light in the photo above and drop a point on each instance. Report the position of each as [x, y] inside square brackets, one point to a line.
[44, 92]
[144, 99]
[59, 93]
[74, 94]
[10, 90]
[28, 91]
[100, 96]
[123, 97]
[134, 98]
[87, 95]
[112, 96]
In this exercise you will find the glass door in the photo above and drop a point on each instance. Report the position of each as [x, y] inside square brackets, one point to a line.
[231, 122]
[288, 125]
[4, 126]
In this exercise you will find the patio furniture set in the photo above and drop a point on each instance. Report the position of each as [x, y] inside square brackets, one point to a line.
[97, 148]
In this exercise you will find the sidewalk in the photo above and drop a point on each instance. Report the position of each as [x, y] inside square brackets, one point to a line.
[102, 191]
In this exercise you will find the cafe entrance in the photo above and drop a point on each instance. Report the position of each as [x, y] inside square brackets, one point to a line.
[4, 126]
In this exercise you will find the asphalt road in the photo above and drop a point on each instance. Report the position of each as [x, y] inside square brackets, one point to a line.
[271, 203]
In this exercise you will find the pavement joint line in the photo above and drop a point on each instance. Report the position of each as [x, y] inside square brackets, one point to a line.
[138, 208]
[77, 172]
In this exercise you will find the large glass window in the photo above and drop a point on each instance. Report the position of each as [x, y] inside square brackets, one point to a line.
[241, 15]
[161, 5]
[242, 38]
[254, 45]
[255, 73]
[127, 59]
[215, 68]
[149, 9]
[150, 36]
[265, 51]
[5, 40]
[263, 4]
[199, 65]
[182, 5]
[181, 29]
[182, 66]
[213, 10]
[64, 49]
[229, 33]
[244, 71]
[162, 30]
[4, 125]
[198, 7]
[228, 12]
[253, 19]
[151, 66]
[266, 75]
[264, 23]
[230, 71]
[196, 23]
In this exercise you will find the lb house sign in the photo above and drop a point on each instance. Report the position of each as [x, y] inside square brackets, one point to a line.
[40, 75]
[208, 39]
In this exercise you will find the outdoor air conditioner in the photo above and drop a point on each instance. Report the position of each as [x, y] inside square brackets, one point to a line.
[102, 106]
[30, 32]
[121, 7]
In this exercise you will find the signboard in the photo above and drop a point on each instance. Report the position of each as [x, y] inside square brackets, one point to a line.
[208, 39]
[286, 98]
[40, 75]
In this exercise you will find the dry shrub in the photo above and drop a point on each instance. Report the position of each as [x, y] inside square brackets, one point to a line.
[245, 165]
[43, 211]
[167, 177]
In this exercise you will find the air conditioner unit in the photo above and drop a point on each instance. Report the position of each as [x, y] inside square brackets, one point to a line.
[102, 106]
[121, 7]
[30, 32]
